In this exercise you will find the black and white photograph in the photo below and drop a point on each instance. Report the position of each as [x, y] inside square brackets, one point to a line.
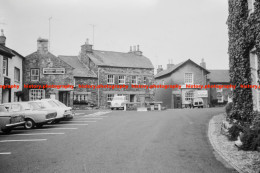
[129, 86]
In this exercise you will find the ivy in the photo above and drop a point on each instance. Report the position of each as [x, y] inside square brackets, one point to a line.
[244, 35]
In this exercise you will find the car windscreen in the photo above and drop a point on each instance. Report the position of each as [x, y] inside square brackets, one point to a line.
[118, 98]
[3, 109]
[60, 104]
[53, 104]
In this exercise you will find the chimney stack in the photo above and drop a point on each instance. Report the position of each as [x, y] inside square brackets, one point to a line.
[203, 64]
[159, 69]
[2, 38]
[87, 47]
[170, 64]
[42, 45]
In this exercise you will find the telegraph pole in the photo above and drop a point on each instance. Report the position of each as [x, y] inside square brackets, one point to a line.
[50, 34]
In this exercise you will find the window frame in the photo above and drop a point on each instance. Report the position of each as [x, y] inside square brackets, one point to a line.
[108, 79]
[5, 68]
[189, 98]
[19, 75]
[185, 79]
[136, 81]
[110, 97]
[34, 97]
[37, 69]
[121, 79]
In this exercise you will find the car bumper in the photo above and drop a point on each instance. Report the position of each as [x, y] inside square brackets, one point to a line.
[14, 124]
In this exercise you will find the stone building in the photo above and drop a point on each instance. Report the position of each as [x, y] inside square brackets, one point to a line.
[11, 72]
[122, 69]
[42, 68]
[187, 72]
[219, 96]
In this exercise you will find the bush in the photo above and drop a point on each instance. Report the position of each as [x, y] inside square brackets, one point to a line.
[251, 139]
[228, 108]
[234, 132]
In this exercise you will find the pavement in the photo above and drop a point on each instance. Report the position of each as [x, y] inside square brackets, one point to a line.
[116, 142]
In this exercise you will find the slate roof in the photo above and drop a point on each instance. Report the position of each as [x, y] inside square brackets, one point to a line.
[120, 59]
[175, 67]
[79, 69]
[219, 76]
[8, 52]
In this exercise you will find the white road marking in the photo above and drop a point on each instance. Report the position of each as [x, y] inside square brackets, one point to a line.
[5, 153]
[70, 124]
[58, 129]
[82, 121]
[91, 118]
[24, 140]
[28, 134]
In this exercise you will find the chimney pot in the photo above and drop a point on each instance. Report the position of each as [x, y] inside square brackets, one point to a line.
[2, 38]
[203, 64]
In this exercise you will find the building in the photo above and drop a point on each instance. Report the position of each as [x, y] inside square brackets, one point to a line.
[42, 69]
[183, 74]
[219, 96]
[119, 69]
[11, 73]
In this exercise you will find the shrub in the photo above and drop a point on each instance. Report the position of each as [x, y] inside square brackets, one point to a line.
[251, 139]
[234, 132]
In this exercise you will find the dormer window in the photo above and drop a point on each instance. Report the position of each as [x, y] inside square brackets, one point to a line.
[251, 7]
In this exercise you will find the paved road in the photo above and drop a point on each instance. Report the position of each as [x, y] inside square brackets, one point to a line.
[172, 141]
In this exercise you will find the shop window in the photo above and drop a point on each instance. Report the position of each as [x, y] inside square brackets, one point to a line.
[82, 98]
[36, 94]
[189, 95]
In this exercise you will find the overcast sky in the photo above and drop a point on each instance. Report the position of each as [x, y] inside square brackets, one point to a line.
[164, 29]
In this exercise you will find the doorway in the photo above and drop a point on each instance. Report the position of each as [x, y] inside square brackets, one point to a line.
[64, 97]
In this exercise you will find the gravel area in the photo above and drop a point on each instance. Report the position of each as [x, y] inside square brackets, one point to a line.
[242, 161]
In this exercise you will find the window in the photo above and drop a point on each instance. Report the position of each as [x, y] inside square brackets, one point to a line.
[121, 79]
[146, 80]
[110, 97]
[36, 94]
[251, 8]
[189, 95]
[16, 74]
[188, 78]
[53, 70]
[220, 98]
[134, 80]
[5, 66]
[35, 75]
[82, 98]
[162, 82]
[110, 79]
[219, 89]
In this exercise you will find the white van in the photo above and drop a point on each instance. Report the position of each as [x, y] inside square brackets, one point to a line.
[118, 102]
[197, 102]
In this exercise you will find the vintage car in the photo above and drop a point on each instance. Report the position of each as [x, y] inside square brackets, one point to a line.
[9, 120]
[118, 102]
[62, 112]
[34, 115]
[69, 114]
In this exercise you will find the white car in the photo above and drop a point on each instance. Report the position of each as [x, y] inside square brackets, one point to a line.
[118, 102]
[62, 113]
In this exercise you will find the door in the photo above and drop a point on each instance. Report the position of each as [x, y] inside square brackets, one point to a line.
[64, 97]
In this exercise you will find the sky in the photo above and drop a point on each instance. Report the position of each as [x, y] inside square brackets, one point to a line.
[174, 30]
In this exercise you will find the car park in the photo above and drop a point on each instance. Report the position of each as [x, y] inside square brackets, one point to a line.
[62, 112]
[34, 115]
[9, 120]
[118, 102]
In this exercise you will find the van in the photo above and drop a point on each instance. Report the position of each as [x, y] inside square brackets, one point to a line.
[197, 102]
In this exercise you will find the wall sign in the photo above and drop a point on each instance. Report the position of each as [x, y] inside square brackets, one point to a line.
[53, 70]
[202, 93]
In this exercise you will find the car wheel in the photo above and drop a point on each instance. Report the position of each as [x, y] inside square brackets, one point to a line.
[112, 108]
[6, 131]
[29, 124]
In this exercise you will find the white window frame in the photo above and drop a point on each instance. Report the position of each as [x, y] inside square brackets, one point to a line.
[132, 79]
[110, 79]
[34, 75]
[189, 95]
[5, 66]
[17, 77]
[121, 79]
[187, 81]
[110, 97]
[36, 94]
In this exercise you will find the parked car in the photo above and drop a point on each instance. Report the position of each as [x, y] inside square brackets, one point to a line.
[62, 112]
[197, 102]
[69, 114]
[9, 120]
[118, 102]
[34, 115]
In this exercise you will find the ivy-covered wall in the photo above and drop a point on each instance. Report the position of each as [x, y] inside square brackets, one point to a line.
[244, 35]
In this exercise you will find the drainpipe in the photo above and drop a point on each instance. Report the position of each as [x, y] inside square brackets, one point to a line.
[98, 87]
